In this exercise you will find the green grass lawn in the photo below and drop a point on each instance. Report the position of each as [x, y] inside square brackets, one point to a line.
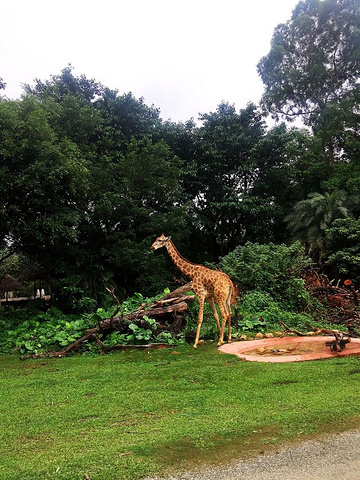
[136, 413]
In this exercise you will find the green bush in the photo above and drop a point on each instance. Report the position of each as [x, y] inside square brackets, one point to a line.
[34, 331]
[48, 331]
[260, 313]
[136, 335]
[271, 287]
[271, 269]
[343, 248]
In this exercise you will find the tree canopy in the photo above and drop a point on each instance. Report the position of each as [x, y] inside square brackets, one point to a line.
[314, 59]
[89, 177]
[312, 217]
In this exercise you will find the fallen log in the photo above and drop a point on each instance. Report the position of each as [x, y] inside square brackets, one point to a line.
[288, 330]
[172, 303]
[150, 313]
[336, 345]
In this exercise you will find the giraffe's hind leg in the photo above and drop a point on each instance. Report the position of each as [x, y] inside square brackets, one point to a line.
[229, 328]
[225, 310]
[224, 318]
[216, 316]
[228, 312]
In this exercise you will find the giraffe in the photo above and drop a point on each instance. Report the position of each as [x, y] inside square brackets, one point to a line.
[210, 285]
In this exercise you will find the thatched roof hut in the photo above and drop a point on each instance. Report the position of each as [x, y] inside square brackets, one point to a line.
[38, 276]
[9, 283]
[33, 275]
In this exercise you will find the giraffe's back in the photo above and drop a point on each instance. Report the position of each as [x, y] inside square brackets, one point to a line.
[212, 283]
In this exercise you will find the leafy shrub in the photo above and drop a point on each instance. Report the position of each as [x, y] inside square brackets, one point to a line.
[45, 332]
[254, 302]
[260, 313]
[11, 317]
[272, 269]
[74, 299]
[271, 287]
[343, 247]
[138, 334]
[39, 331]
[167, 337]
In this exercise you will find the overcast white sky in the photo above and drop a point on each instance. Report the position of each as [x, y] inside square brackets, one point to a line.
[184, 57]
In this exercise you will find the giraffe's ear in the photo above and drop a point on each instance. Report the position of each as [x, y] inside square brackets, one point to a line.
[168, 239]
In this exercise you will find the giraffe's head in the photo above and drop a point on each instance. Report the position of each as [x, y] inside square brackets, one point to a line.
[160, 242]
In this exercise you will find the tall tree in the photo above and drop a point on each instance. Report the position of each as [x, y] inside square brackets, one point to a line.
[86, 183]
[310, 219]
[43, 179]
[134, 197]
[312, 71]
[343, 248]
[278, 182]
[127, 117]
[314, 59]
[224, 175]
[242, 180]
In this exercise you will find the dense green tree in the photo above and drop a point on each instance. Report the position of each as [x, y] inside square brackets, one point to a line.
[64, 84]
[69, 105]
[224, 175]
[310, 219]
[242, 180]
[42, 180]
[343, 248]
[127, 117]
[133, 199]
[183, 141]
[312, 71]
[314, 59]
[278, 182]
[85, 184]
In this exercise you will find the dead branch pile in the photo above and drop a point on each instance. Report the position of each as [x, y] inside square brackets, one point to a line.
[168, 311]
[341, 301]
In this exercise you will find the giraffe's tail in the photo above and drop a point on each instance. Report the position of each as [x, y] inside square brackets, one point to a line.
[232, 297]
[235, 295]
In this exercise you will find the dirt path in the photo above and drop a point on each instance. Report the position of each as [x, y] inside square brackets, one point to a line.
[329, 458]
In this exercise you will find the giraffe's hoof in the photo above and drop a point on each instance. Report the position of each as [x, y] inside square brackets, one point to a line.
[220, 343]
[195, 346]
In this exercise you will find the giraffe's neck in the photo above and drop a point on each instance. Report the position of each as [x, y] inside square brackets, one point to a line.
[186, 267]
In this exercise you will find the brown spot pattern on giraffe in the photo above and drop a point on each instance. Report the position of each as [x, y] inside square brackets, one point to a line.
[210, 284]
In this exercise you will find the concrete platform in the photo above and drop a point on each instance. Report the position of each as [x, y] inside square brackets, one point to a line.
[288, 349]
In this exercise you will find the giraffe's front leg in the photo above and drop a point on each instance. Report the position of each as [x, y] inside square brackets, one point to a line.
[200, 320]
